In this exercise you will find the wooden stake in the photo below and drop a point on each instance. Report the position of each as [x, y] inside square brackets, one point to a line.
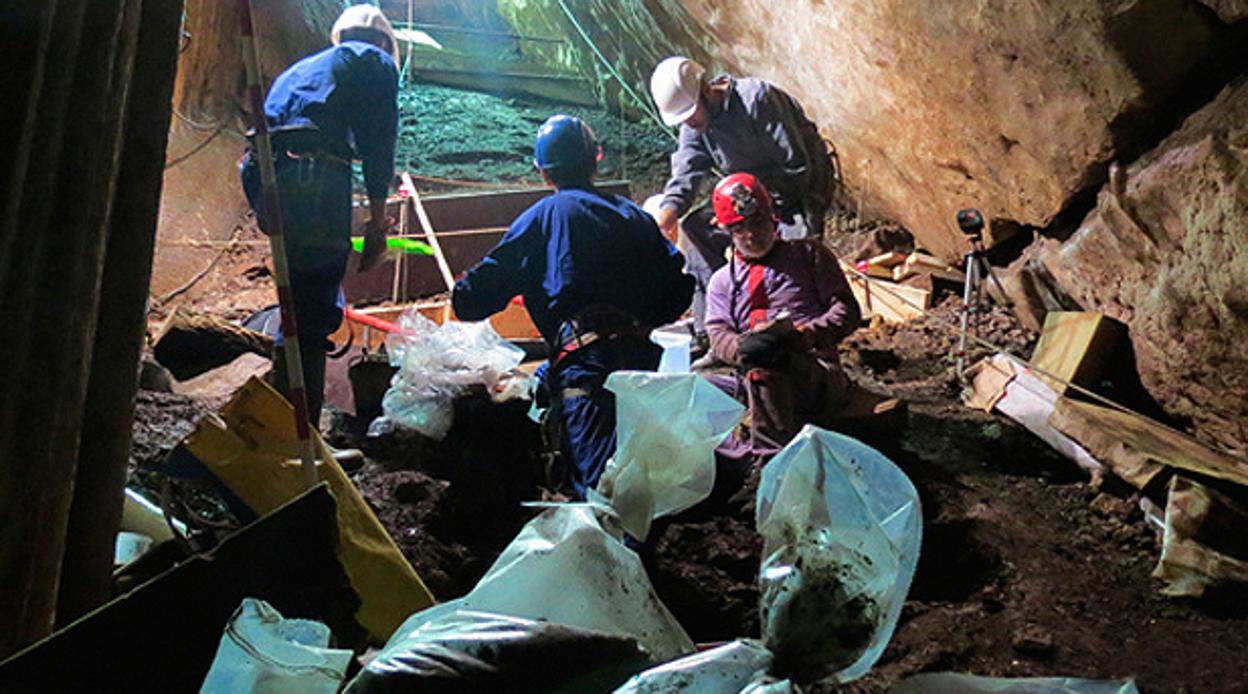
[431, 238]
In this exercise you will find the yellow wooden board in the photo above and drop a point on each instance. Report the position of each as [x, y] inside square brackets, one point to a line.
[893, 302]
[1134, 446]
[921, 263]
[1075, 347]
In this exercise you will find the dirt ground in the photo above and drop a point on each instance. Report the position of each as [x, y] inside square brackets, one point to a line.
[1026, 570]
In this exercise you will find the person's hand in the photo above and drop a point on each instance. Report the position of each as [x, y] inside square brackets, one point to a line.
[669, 224]
[780, 326]
[374, 245]
[762, 350]
[806, 333]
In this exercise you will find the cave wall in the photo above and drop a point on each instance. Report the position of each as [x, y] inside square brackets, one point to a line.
[1019, 109]
[1009, 107]
[202, 200]
[1165, 251]
[1015, 108]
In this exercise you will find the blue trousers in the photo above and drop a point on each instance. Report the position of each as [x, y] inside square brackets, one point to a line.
[586, 409]
[315, 198]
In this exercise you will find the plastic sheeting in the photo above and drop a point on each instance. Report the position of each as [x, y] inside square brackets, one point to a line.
[733, 667]
[261, 651]
[956, 683]
[563, 567]
[841, 529]
[438, 362]
[667, 428]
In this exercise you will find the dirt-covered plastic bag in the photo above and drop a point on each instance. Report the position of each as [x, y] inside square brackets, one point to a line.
[841, 529]
[564, 567]
[438, 362]
[261, 651]
[667, 428]
[957, 683]
[477, 651]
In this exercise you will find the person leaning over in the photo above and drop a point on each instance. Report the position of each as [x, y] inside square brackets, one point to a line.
[330, 107]
[596, 276]
[735, 125]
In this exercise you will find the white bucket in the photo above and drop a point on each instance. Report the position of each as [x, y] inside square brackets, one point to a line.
[675, 350]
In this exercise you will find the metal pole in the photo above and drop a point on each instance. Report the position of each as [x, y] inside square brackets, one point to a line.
[968, 284]
[277, 242]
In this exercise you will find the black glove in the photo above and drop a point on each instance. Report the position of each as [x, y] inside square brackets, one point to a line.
[763, 350]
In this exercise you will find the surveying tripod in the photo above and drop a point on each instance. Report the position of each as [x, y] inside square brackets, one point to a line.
[975, 267]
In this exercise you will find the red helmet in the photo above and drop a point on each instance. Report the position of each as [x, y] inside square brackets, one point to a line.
[739, 197]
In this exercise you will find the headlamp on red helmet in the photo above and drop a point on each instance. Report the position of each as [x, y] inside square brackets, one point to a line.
[739, 197]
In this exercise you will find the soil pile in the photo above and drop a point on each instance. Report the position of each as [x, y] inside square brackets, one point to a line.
[458, 135]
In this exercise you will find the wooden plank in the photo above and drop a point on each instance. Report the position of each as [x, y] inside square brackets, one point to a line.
[483, 209]
[1076, 347]
[430, 238]
[888, 260]
[512, 323]
[483, 217]
[893, 302]
[1204, 540]
[560, 88]
[921, 263]
[876, 270]
[1136, 448]
[989, 378]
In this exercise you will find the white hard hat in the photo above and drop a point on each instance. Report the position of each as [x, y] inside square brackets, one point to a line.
[676, 85]
[365, 17]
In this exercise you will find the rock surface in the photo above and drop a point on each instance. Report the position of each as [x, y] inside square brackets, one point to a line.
[1014, 109]
[1009, 108]
[1228, 10]
[1165, 252]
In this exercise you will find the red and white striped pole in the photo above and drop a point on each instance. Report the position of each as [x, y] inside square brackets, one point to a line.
[277, 244]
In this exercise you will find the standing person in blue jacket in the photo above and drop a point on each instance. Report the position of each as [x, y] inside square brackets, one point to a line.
[596, 276]
[736, 125]
[323, 111]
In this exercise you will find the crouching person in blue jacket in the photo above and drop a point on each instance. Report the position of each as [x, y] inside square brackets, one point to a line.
[596, 276]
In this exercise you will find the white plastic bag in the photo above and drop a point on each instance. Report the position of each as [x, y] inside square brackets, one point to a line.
[676, 351]
[263, 652]
[732, 667]
[956, 683]
[436, 363]
[563, 567]
[667, 428]
[841, 529]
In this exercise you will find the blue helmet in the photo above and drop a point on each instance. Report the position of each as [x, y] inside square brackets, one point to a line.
[565, 142]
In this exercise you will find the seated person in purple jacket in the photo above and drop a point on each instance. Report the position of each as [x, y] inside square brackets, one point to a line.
[776, 311]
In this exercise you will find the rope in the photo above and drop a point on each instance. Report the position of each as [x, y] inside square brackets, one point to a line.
[194, 150]
[644, 104]
[232, 243]
[879, 286]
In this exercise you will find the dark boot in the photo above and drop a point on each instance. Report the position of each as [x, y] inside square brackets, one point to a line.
[313, 379]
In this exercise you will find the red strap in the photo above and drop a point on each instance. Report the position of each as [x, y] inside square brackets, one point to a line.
[757, 294]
